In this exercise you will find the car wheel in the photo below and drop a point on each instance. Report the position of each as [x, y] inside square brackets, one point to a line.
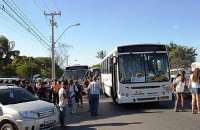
[7, 126]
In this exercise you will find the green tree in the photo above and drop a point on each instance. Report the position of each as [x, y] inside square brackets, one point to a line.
[22, 70]
[7, 54]
[181, 56]
[26, 67]
[96, 66]
[45, 65]
[101, 54]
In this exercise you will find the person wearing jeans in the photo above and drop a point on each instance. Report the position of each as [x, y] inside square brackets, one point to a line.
[94, 90]
[195, 85]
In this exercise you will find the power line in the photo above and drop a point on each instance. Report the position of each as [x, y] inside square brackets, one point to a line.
[9, 14]
[41, 10]
[8, 4]
[25, 24]
[25, 17]
[5, 22]
[14, 5]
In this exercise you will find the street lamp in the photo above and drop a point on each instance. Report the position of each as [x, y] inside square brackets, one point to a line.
[53, 46]
[78, 24]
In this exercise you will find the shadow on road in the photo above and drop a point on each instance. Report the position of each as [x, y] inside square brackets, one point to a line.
[92, 126]
[109, 110]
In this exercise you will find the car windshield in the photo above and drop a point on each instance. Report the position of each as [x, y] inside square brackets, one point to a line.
[15, 95]
[140, 68]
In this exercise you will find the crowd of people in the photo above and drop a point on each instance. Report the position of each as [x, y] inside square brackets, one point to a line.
[71, 94]
[179, 86]
[66, 95]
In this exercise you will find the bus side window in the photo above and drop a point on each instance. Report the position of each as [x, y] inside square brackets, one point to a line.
[111, 64]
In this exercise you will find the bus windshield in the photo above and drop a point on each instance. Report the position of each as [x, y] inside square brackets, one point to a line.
[75, 74]
[157, 67]
[140, 68]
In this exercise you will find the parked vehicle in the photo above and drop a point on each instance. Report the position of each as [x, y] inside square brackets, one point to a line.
[20, 110]
[9, 80]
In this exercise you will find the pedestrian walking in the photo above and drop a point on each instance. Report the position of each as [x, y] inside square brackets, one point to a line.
[179, 83]
[62, 103]
[50, 90]
[72, 97]
[29, 87]
[79, 96]
[86, 84]
[56, 88]
[194, 83]
[94, 90]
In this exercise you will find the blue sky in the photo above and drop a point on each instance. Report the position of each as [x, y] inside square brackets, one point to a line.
[105, 24]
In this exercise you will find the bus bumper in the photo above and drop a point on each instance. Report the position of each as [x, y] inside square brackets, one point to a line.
[122, 100]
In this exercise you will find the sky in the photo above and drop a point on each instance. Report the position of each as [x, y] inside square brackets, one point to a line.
[104, 24]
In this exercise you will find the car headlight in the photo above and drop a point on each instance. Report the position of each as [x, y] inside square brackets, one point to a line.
[29, 114]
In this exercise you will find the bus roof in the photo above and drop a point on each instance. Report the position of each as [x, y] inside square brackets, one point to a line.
[75, 67]
[136, 45]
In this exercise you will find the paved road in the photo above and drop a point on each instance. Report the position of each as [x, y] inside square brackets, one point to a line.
[133, 117]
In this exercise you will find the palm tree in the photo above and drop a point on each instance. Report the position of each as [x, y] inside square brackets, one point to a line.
[101, 54]
[6, 50]
[7, 54]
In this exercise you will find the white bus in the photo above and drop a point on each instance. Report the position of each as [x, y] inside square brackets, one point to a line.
[137, 73]
[75, 72]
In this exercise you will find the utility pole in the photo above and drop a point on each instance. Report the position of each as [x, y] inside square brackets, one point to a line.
[67, 63]
[53, 24]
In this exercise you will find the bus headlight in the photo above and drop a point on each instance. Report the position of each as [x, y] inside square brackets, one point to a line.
[167, 89]
[122, 94]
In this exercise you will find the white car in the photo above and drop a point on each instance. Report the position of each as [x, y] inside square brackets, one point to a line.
[20, 110]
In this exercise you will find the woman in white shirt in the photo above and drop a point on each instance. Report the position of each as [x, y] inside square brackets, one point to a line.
[180, 83]
[194, 83]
